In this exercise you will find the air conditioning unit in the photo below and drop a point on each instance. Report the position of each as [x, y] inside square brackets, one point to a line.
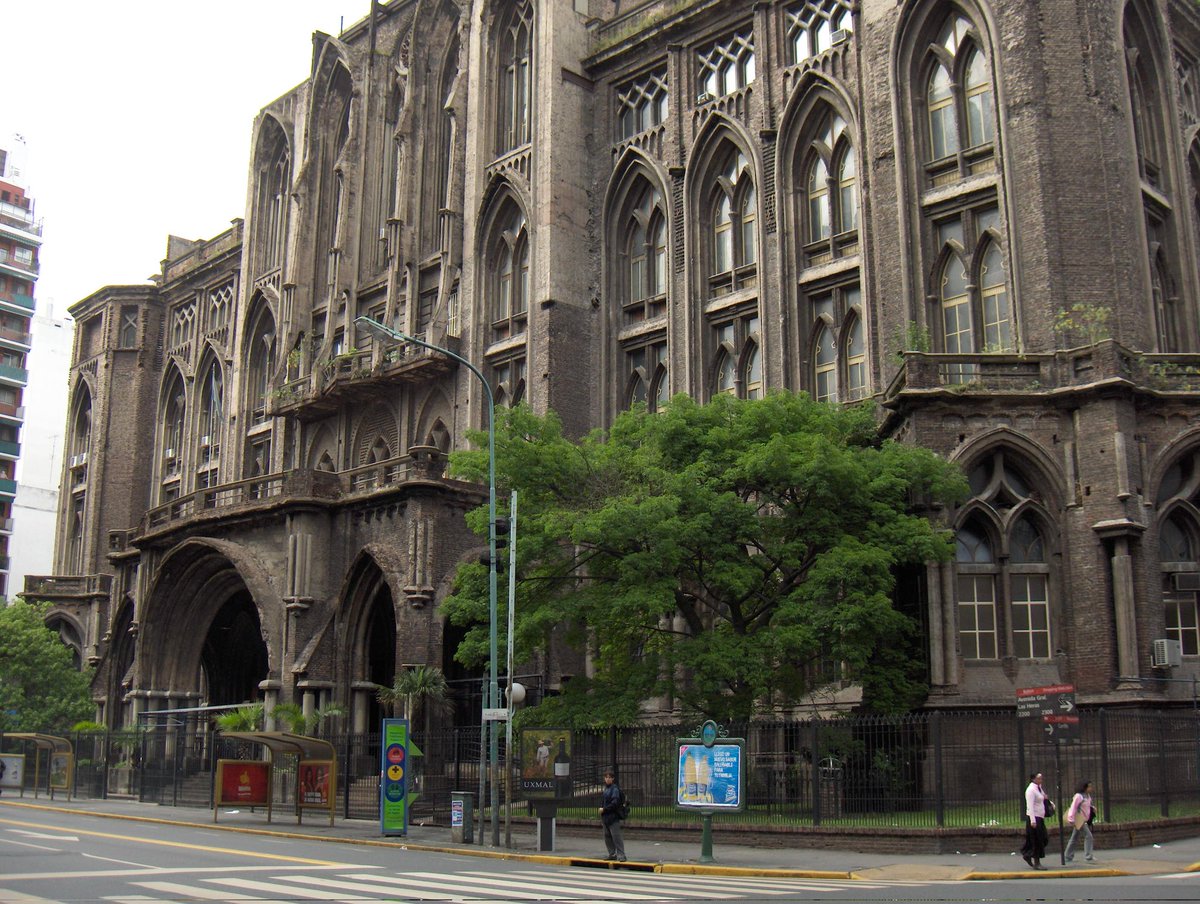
[1187, 580]
[704, 97]
[1166, 654]
[169, 454]
[841, 36]
[204, 443]
[78, 460]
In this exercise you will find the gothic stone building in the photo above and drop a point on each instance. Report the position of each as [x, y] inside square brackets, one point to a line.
[982, 214]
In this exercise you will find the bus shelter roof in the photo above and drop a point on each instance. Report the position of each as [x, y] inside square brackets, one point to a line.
[286, 742]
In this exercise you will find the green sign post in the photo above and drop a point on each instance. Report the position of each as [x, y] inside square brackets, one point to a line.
[393, 785]
[711, 778]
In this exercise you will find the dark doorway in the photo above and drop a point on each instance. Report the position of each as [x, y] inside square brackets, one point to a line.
[234, 658]
[381, 650]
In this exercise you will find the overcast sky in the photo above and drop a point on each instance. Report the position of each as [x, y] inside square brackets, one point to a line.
[137, 120]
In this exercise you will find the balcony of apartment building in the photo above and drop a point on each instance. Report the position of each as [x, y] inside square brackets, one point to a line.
[6, 525]
[11, 373]
[10, 449]
[358, 375]
[421, 467]
[10, 412]
[8, 490]
[17, 303]
[19, 223]
[15, 337]
[18, 263]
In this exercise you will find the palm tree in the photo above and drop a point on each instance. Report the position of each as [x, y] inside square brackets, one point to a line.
[248, 717]
[424, 684]
[292, 715]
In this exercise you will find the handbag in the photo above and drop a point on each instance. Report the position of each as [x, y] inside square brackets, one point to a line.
[1079, 821]
[1049, 808]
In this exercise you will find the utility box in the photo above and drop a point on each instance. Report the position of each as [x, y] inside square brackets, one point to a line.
[462, 817]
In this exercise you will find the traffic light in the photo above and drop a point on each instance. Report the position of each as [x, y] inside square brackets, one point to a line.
[503, 529]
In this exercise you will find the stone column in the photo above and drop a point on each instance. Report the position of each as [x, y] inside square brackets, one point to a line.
[1120, 533]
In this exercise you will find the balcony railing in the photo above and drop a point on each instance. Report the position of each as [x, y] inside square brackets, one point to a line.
[20, 217]
[12, 372]
[21, 337]
[19, 300]
[261, 492]
[53, 585]
[8, 447]
[8, 487]
[9, 260]
[1046, 372]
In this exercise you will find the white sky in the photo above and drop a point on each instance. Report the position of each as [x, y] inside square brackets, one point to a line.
[137, 120]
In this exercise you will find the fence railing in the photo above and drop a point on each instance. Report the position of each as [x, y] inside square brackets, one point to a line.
[952, 768]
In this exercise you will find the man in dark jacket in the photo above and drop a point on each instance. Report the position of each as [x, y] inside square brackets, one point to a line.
[610, 815]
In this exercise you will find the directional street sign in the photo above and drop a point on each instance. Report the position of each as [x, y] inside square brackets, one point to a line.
[1061, 729]
[1055, 707]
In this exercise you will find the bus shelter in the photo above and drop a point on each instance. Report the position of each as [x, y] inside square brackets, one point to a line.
[249, 783]
[59, 762]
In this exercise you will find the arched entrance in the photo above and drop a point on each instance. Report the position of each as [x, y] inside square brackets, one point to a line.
[210, 627]
[234, 658]
[371, 622]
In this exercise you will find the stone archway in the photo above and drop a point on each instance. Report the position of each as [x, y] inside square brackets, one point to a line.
[370, 618]
[210, 629]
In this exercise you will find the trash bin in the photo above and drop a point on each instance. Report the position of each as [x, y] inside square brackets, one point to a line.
[462, 817]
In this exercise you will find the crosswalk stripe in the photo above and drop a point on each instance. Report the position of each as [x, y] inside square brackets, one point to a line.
[707, 883]
[487, 887]
[194, 891]
[276, 888]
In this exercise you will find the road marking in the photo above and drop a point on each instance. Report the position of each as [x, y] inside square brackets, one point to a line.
[58, 837]
[179, 844]
[700, 885]
[122, 862]
[16, 897]
[166, 871]
[188, 892]
[40, 847]
[292, 891]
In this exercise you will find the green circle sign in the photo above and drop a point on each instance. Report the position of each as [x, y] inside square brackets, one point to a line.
[708, 733]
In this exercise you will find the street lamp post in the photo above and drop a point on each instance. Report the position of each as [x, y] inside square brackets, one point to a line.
[493, 696]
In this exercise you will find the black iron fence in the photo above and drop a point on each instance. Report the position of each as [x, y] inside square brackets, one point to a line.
[949, 768]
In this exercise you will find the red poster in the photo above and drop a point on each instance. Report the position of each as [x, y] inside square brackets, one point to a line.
[314, 783]
[243, 782]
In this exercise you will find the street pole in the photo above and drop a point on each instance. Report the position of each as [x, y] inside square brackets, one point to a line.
[492, 699]
[512, 595]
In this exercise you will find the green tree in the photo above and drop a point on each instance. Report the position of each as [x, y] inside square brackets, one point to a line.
[247, 717]
[720, 553]
[40, 688]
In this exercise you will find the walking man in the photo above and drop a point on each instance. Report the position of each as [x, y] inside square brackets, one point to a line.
[610, 815]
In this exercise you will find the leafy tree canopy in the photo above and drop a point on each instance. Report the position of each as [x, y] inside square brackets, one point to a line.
[717, 553]
[40, 688]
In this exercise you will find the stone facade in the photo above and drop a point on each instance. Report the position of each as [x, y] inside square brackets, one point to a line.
[981, 214]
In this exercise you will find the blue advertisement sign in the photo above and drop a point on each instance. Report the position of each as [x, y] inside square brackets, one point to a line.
[711, 777]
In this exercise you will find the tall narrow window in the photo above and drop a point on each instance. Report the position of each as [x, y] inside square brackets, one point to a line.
[733, 219]
[958, 103]
[1005, 605]
[838, 360]
[642, 104]
[514, 43]
[510, 273]
[997, 320]
[826, 170]
[737, 368]
[1179, 551]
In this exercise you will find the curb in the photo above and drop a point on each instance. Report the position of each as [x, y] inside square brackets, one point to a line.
[663, 867]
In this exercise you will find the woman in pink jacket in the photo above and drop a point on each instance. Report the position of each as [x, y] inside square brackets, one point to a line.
[1080, 816]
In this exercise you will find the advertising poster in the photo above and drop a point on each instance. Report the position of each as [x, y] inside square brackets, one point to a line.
[12, 770]
[546, 763]
[60, 771]
[246, 782]
[393, 785]
[710, 778]
[314, 783]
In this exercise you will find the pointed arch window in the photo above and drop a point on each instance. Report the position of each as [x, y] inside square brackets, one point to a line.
[508, 382]
[733, 219]
[1177, 501]
[510, 274]
[515, 52]
[174, 418]
[960, 116]
[838, 359]
[1005, 581]
[645, 254]
[260, 365]
[212, 412]
[828, 170]
[737, 368]
[648, 383]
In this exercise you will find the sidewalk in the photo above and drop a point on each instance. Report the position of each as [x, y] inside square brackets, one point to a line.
[666, 856]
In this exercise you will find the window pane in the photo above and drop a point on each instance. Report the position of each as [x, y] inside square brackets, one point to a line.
[847, 195]
[979, 101]
[818, 201]
[943, 123]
